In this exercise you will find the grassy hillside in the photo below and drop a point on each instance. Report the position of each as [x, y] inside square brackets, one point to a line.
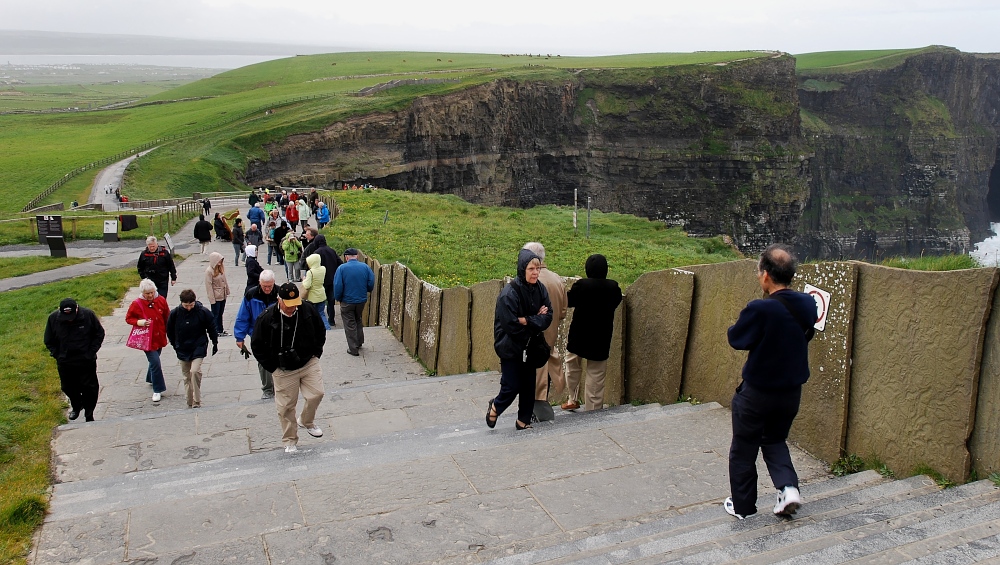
[852, 61]
[39, 149]
[448, 242]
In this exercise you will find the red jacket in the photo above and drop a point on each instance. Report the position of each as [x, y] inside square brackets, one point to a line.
[157, 312]
[292, 214]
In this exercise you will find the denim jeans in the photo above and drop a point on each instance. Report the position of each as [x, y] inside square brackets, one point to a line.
[293, 271]
[217, 309]
[271, 250]
[321, 310]
[154, 373]
[239, 249]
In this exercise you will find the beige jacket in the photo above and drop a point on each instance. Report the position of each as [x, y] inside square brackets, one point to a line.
[553, 283]
[216, 286]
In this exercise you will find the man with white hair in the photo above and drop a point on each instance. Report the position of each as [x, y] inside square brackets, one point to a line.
[554, 285]
[255, 301]
[157, 264]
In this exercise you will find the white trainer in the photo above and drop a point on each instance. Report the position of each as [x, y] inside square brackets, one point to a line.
[313, 430]
[291, 449]
[731, 509]
[789, 501]
[156, 397]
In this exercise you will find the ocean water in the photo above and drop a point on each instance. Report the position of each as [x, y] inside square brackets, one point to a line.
[987, 252]
[192, 61]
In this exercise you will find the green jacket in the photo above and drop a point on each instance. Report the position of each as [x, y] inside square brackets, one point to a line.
[292, 248]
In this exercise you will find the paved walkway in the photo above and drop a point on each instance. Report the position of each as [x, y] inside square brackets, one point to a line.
[406, 471]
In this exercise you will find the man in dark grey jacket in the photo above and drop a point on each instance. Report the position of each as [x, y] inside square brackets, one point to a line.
[73, 336]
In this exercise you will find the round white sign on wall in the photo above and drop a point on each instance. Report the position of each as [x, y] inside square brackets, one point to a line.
[822, 299]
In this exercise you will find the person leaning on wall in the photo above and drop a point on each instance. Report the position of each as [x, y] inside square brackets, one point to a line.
[594, 300]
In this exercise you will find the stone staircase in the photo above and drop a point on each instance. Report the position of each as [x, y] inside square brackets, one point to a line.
[408, 472]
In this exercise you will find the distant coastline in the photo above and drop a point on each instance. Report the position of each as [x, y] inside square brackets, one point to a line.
[189, 61]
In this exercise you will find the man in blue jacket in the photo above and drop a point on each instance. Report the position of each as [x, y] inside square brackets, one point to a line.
[255, 301]
[256, 216]
[776, 331]
[351, 285]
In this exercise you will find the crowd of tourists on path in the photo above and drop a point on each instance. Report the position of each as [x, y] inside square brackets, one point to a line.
[286, 324]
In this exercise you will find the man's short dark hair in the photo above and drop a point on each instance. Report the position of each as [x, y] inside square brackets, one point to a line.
[187, 296]
[779, 262]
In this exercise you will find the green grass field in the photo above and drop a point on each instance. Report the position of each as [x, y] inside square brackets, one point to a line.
[851, 61]
[31, 402]
[20, 266]
[449, 242]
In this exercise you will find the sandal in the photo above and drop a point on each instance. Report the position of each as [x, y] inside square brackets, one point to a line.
[518, 425]
[492, 411]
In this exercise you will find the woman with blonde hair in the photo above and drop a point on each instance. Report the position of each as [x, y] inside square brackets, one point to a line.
[150, 310]
[217, 289]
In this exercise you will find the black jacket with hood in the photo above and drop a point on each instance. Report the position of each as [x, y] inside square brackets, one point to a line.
[189, 331]
[328, 258]
[594, 300]
[519, 300]
[78, 339]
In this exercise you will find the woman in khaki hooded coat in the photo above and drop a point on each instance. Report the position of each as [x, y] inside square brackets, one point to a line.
[216, 289]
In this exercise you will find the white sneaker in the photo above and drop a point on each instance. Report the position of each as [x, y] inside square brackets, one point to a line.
[731, 510]
[312, 430]
[156, 397]
[291, 449]
[789, 501]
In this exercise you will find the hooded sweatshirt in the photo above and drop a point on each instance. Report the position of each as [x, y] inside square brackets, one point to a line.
[313, 283]
[216, 286]
[519, 299]
[253, 267]
[594, 300]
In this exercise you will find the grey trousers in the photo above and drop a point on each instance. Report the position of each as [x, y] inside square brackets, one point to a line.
[353, 327]
[266, 379]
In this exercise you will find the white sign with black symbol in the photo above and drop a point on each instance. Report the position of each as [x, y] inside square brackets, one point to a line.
[111, 226]
[822, 299]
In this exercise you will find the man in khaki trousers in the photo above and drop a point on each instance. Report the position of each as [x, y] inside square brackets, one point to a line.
[553, 283]
[288, 341]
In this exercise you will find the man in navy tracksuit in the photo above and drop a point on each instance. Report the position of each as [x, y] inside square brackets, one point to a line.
[776, 331]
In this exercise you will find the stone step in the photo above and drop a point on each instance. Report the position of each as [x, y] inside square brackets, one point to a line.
[708, 523]
[173, 437]
[874, 524]
[119, 491]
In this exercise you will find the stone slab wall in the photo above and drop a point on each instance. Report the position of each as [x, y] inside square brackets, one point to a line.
[821, 426]
[984, 444]
[484, 302]
[658, 309]
[712, 369]
[429, 325]
[384, 294]
[614, 379]
[398, 299]
[372, 308]
[411, 311]
[455, 342]
[918, 340]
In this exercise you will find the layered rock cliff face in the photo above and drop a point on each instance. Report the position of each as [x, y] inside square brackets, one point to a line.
[868, 163]
[902, 156]
[713, 148]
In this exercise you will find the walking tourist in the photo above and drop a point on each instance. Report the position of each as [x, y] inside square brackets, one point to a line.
[288, 340]
[776, 331]
[73, 336]
[189, 329]
[522, 312]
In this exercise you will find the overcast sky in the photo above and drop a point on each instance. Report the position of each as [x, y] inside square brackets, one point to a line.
[577, 27]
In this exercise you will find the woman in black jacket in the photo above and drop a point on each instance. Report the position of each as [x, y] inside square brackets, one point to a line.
[522, 311]
[189, 329]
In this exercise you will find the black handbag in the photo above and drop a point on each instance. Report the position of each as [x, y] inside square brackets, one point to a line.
[536, 352]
